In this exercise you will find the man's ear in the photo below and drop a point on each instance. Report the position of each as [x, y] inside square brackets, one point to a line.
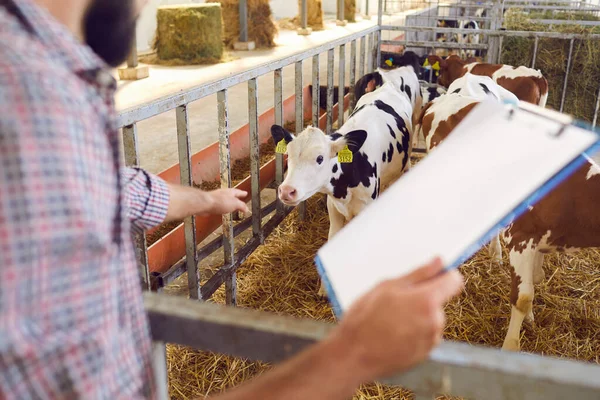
[354, 140]
[279, 133]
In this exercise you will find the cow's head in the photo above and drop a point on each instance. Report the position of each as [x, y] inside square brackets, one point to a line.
[450, 69]
[311, 157]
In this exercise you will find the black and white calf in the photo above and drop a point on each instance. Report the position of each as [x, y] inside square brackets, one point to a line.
[378, 135]
[373, 81]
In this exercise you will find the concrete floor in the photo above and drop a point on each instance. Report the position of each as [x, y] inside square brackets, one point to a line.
[157, 135]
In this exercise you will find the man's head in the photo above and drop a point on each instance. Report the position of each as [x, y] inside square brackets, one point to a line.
[109, 28]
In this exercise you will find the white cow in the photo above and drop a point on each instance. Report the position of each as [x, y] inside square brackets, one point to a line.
[374, 146]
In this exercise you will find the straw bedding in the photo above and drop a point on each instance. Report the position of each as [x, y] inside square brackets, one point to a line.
[280, 277]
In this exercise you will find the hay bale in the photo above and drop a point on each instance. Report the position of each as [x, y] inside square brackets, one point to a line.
[261, 27]
[314, 14]
[552, 58]
[191, 33]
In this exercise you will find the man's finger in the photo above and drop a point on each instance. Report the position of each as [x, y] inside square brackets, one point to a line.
[443, 287]
[240, 194]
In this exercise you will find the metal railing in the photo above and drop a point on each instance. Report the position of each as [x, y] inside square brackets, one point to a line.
[453, 369]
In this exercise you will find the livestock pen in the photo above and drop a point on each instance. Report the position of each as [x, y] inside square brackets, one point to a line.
[269, 267]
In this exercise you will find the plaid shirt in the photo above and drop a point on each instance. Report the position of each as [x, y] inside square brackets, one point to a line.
[72, 321]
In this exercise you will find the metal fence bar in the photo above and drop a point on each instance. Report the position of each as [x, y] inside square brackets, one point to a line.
[330, 66]
[375, 50]
[340, 11]
[185, 168]
[379, 13]
[342, 84]
[279, 166]
[565, 22]
[243, 7]
[361, 63]
[160, 369]
[316, 81]
[130, 146]
[597, 108]
[159, 106]
[352, 73]
[564, 92]
[254, 157]
[500, 43]
[535, 50]
[132, 60]
[304, 14]
[454, 369]
[225, 170]
[445, 45]
[300, 119]
[370, 53]
[491, 32]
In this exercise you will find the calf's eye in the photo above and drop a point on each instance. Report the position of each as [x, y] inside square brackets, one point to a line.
[320, 160]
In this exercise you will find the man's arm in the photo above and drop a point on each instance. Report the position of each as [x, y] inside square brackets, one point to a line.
[151, 201]
[389, 330]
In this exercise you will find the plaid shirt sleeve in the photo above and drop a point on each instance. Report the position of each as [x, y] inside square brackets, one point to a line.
[146, 197]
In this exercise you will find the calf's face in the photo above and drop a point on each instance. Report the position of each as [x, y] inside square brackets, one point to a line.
[311, 159]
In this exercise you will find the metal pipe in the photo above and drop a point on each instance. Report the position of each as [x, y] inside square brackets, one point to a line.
[243, 7]
[380, 13]
[369, 53]
[300, 120]
[185, 168]
[564, 92]
[491, 32]
[316, 92]
[279, 166]
[330, 66]
[597, 109]
[160, 370]
[225, 171]
[535, 50]
[376, 50]
[342, 84]
[304, 14]
[254, 157]
[340, 10]
[131, 153]
[361, 63]
[352, 73]
[500, 50]
[132, 60]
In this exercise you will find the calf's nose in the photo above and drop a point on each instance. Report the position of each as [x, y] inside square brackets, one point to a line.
[288, 193]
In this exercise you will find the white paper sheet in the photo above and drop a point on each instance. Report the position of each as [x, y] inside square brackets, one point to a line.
[449, 204]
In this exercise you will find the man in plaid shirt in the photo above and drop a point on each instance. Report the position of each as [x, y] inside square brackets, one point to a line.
[72, 322]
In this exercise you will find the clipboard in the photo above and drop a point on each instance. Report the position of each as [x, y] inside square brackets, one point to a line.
[499, 161]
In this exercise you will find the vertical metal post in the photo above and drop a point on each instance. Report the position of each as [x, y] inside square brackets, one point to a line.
[500, 43]
[330, 66]
[316, 92]
[304, 14]
[352, 73]
[495, 24]
[361, 63]
[243, 21]
[342, 84]
[254, 158]
[159, 366]
[564, 92]
[279, 121]
[340, 10]
[130, 145]
[380, 13]
[367, 9]
[132, 60]
[300, 120]
[376, 52]
[535, 50]
[595, 120]
[370, 54]
[225, 170]
[185, 168]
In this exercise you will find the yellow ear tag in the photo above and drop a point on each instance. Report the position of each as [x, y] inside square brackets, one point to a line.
[436, 66]
[426, 63]
[281, 147]
[345, 156]
[389, 63]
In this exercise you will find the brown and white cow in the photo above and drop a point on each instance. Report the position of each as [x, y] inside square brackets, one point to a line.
[567, 219]
[526, 83]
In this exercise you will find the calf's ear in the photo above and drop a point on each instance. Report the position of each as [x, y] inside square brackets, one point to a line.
[354, 140]
[279, 133]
